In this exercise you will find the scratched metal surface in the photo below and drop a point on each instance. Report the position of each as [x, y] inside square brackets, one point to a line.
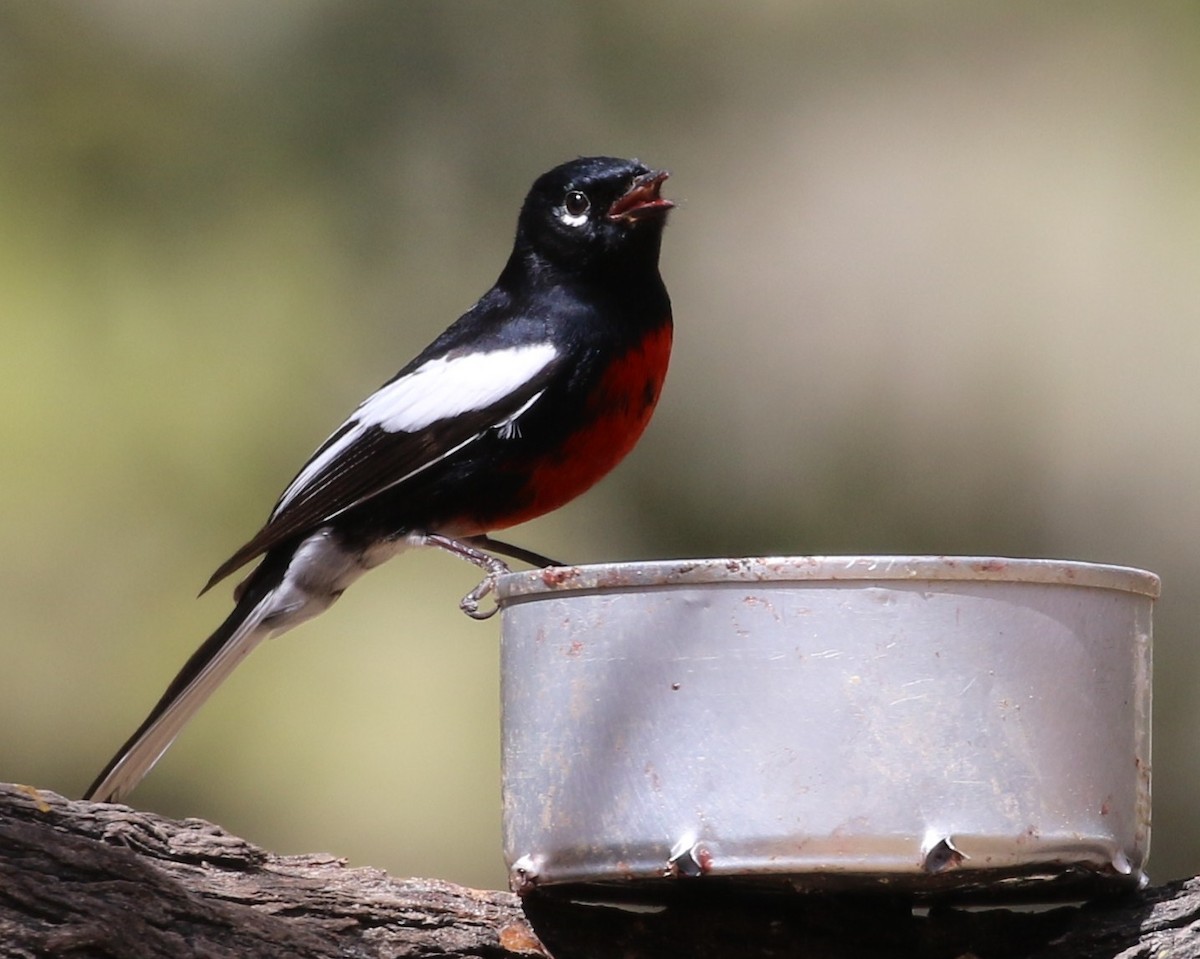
[921, 721]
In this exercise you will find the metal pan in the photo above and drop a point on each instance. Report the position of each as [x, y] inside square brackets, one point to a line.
[920, 723]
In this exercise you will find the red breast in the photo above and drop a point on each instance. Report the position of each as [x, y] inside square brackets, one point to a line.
[620, 406]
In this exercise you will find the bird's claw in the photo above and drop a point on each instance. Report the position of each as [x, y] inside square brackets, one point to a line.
[469, 604]
[492, 566]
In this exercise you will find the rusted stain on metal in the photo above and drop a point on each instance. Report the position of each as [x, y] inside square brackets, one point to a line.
[942, 856]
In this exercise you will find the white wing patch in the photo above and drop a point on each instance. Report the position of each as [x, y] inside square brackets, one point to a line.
[434, 391]
[446, 387]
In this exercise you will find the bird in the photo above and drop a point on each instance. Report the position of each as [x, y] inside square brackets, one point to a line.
[520, 405]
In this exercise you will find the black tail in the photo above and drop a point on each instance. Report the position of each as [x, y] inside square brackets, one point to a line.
[205, 669]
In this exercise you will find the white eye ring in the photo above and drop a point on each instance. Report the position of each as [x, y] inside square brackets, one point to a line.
[575, 208]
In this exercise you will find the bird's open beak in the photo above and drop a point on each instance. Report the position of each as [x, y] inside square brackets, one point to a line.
[642, 199]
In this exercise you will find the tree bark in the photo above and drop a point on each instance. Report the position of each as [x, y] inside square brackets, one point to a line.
[84, 880]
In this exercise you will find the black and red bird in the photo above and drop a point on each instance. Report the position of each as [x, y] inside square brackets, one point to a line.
[526, 401]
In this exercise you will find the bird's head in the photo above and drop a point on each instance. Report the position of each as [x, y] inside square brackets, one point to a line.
[595, 211]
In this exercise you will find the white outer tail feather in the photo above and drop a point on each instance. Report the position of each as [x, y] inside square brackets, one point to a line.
[142, 755]
[317, 574]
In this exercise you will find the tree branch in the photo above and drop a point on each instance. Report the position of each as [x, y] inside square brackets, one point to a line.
[86, 881]
[92, 880]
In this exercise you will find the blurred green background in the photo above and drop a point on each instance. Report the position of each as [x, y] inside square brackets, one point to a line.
[936, 287]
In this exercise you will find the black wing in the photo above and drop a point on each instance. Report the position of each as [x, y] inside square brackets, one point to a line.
[363, 459]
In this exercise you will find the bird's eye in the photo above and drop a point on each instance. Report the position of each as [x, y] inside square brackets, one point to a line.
[576, 203]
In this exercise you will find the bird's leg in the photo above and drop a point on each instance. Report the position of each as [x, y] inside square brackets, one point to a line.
[464, 549]
[483, 541]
